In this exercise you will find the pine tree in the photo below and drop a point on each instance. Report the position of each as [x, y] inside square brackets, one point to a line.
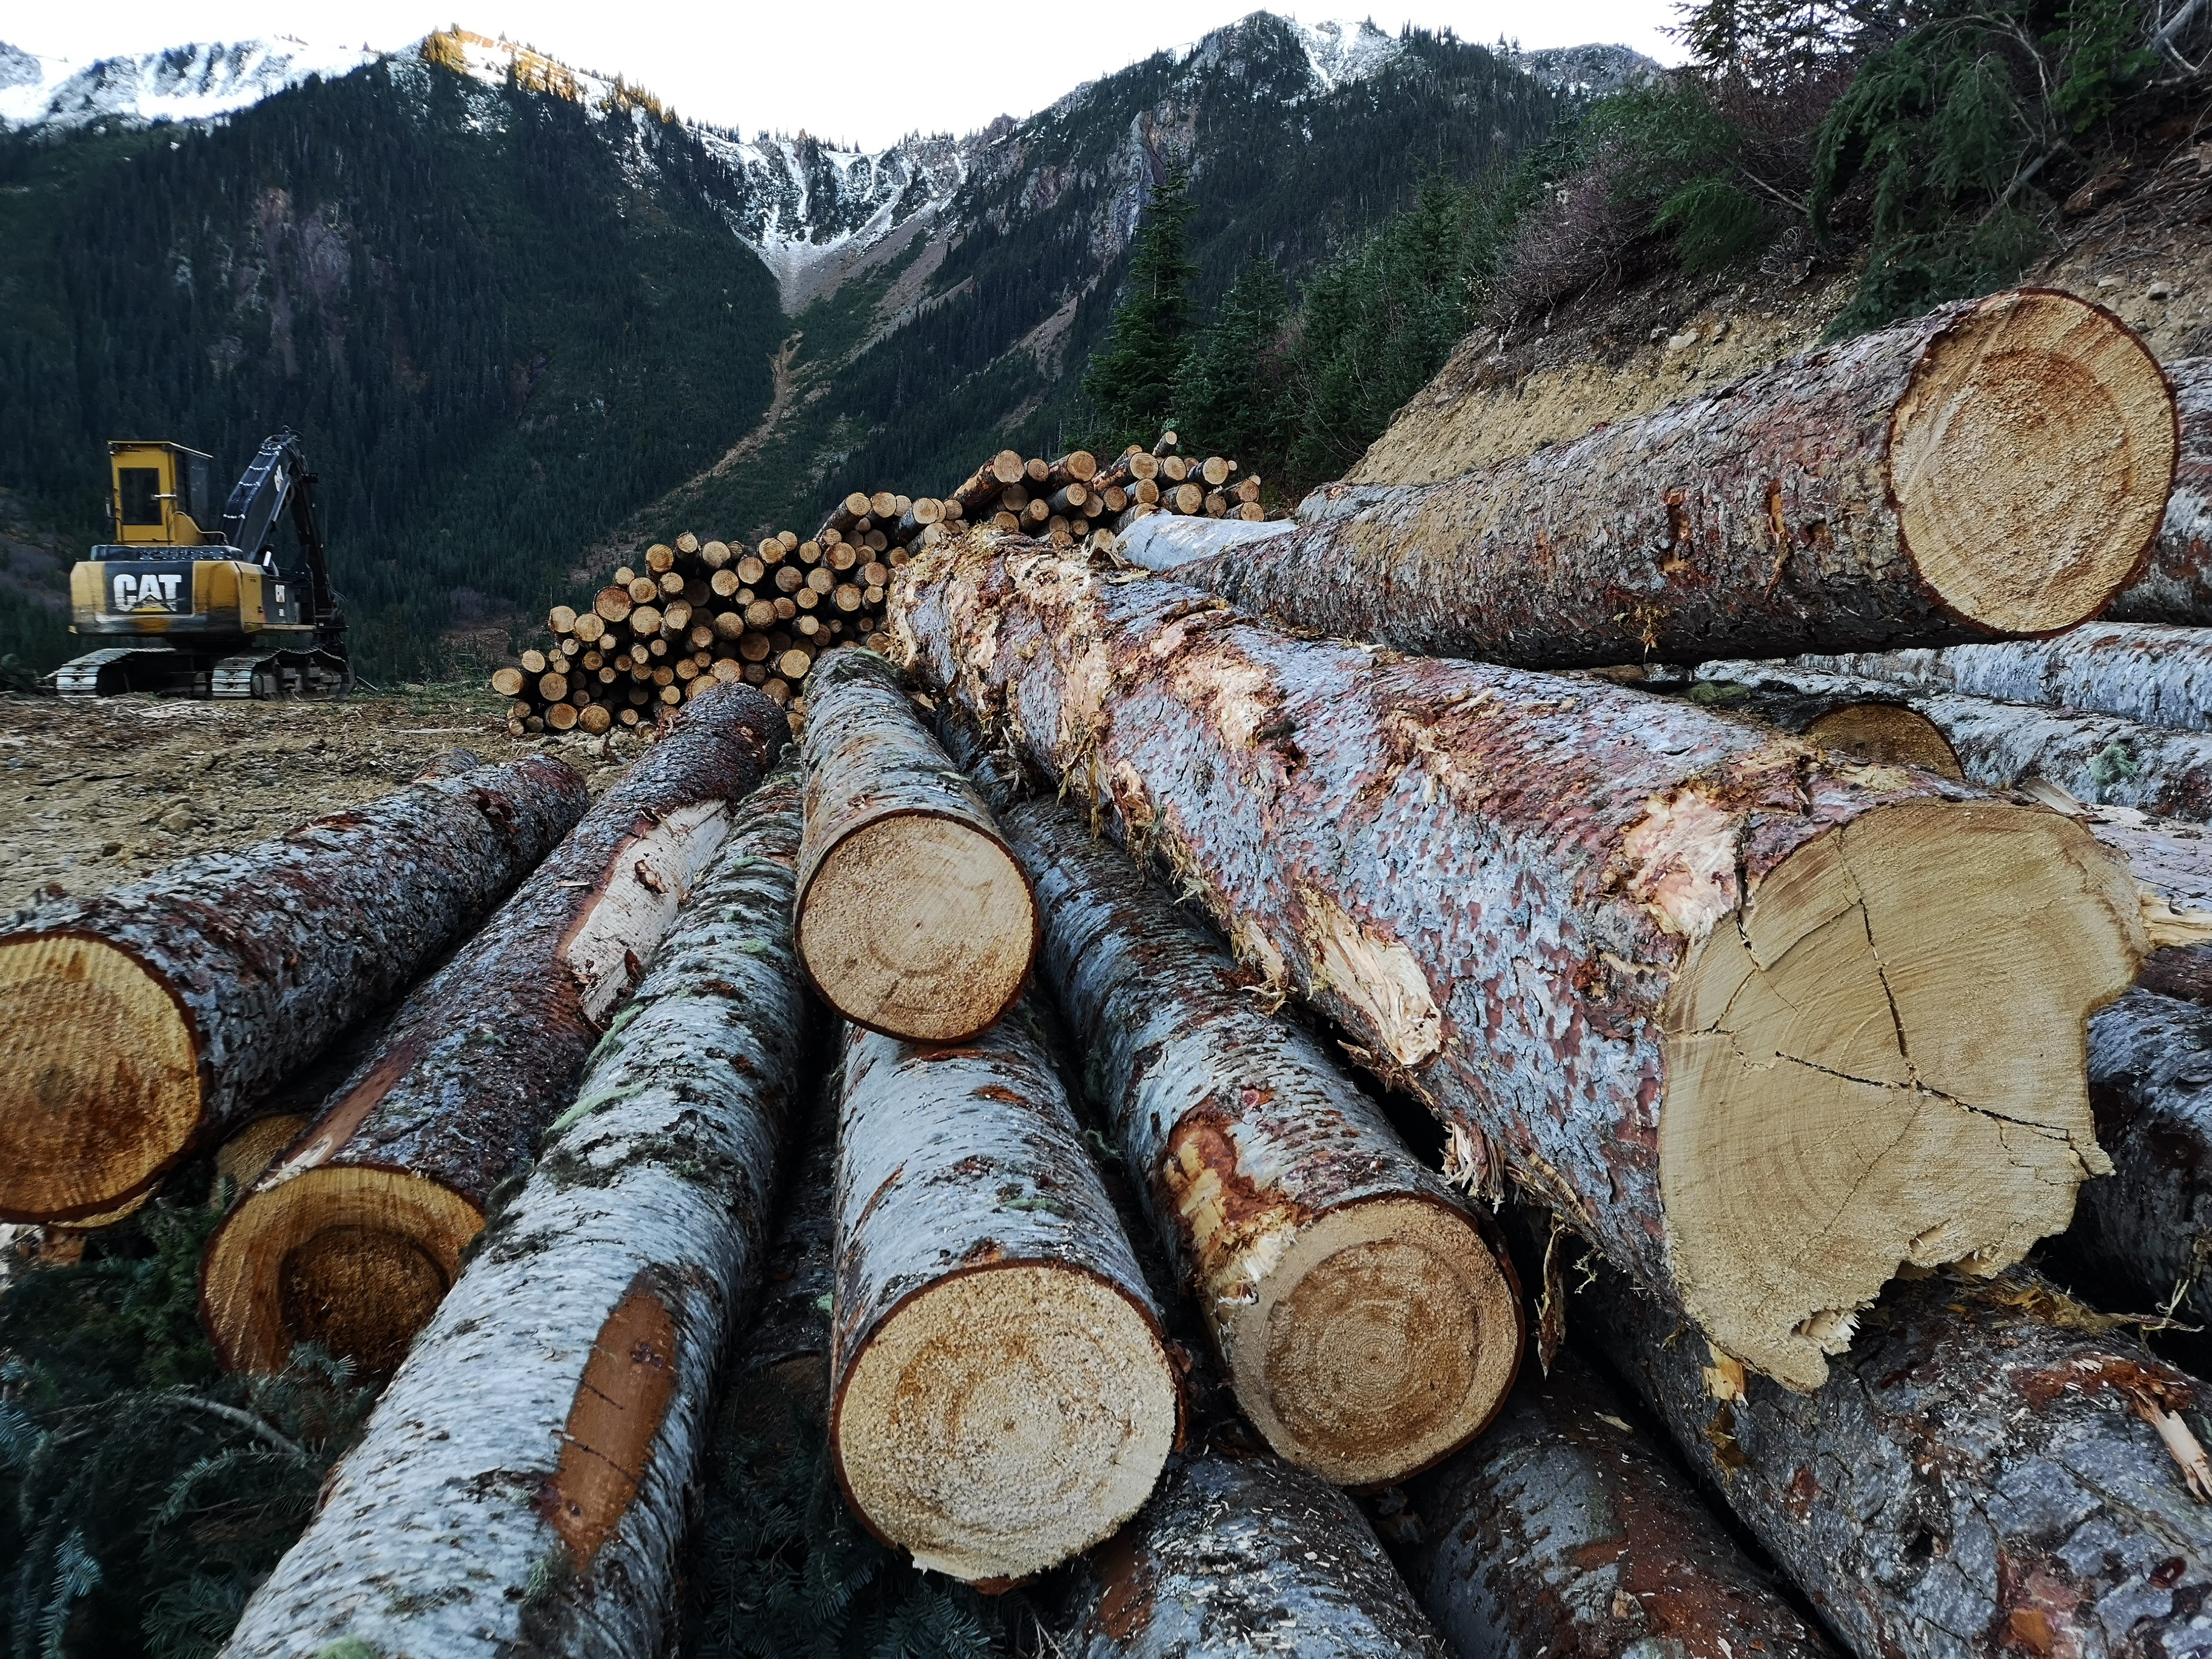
[1230, 394]
[1131, 380]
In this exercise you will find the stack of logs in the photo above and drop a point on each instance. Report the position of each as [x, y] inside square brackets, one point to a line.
[703, 612]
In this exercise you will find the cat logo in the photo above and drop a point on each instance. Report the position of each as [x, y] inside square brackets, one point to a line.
[153, 591]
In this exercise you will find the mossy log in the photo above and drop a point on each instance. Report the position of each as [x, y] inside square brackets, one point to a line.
[1002, 1396]
[1702, 986]
[523, 1481]
[136, 1024]
[1565, 1533]
[352, 1239]
[914, 919]
[1361, 1312]
[1993, 1470]
[1997, 467]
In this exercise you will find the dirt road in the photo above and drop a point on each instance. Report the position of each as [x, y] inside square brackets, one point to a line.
[95, 792]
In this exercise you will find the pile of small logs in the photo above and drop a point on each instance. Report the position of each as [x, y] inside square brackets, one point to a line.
[701, 612]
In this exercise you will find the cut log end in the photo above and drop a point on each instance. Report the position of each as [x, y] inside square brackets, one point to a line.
[1887, 734]
[1384, 1339]
[1880, 1061]
[351, 1258]
[1002, 1420]
[2078, 507]
[99, 1081]
[918, 925]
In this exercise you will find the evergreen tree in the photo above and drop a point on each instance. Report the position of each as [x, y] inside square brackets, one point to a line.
[1231, 394]
[1131, 380]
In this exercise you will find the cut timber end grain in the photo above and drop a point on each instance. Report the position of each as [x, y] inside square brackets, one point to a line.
[613, 603]
[1851, 1025]
[508, 682]
[1885, 734]
[914, 918]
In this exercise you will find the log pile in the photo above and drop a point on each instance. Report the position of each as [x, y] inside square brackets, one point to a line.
[696, 613]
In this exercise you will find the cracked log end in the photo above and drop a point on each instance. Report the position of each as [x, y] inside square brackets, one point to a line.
[2030, 460]
[99, 1081]
[917, 925]
[1384, 1338]
[1882, 1062]
[1885, 734]
[1002, 1420]
[353, 1258]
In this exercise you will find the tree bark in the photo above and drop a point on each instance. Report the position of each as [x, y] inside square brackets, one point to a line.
[1986, 1475]
[1361, 1313]
[1872, 494]
[1563, 1534]
[1002, 1396]
[524, 1479]
[2149, 1230]
[2175, 585]
[140, 1022]
[2098, 758]
[2158, 676]
[1575, 920]
[352, 1239]
[914, 919]
[1238, 1557]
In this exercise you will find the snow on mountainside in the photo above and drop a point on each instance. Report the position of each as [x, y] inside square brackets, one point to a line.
[182, 83]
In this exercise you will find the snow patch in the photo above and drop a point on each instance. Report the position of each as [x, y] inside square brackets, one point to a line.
[181, 83]
[1341, 52]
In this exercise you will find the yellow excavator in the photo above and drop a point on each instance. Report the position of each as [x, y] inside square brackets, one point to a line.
[208, 613]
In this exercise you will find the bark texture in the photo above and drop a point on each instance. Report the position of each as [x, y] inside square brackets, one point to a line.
[1239, 1556]
[1874, 493]
[1987, 1474]
[353, 1238]
[914, 919]
[2158, 676]
[1528, 899]
[521, 1485]
[139, 1021]
[1001, 1394]
[1361, 1312]
[2175, 584]
[1563, 1534]
[2150, 1228]
[2098, 758]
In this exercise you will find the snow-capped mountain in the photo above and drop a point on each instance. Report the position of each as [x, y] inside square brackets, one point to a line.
[181, 83]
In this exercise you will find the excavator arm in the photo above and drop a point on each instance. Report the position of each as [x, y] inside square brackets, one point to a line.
[274, 481]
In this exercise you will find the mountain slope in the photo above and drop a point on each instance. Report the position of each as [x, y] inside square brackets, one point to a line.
[519, 312]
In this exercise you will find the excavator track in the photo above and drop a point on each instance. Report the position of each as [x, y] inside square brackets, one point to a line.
[245, 676]
[263, 675]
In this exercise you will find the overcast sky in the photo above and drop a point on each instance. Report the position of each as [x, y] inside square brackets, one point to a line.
[841, 69]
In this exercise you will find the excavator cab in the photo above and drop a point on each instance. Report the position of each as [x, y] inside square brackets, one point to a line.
[197, 587]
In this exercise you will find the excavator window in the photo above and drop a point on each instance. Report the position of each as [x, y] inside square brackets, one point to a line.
[140, 487]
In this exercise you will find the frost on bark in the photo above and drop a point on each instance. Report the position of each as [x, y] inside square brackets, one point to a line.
[914, 918]
[521, 1486]
[2175, 584]
[1999, 466]
[1992, 1471]
[352, 1238]
[1646, 958]
[1364, 1319]
[142, 1022]
[1001, 1394]
[2098, 758]
[2158, 676]
[1563, 1534]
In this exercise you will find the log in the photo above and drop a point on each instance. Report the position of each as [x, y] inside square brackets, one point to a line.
[1068, 499]
[1565, 1533]
[914, 918]
[2098, 758]
[1246, 1558]
[1164, 541]
[1871, 495]
[1989, 1473]
[137, 1023]
[1076, 466]
[352, 1239]
[2147, 1231]
[2175, 584]
[542, 1505]
[1578, 921]
[1360, 1310]
[1001, 1394]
